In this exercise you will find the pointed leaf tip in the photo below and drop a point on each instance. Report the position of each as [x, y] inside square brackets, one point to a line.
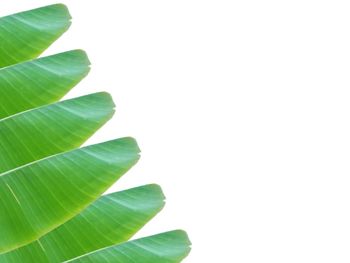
[26, 35]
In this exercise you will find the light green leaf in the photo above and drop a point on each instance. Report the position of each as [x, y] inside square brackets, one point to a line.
[42, 81]
[38, 197]
[26, 35]
[170, 247]
[41, 132]
[110, 220]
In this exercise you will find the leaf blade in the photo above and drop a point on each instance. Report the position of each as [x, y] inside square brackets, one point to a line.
[37, 198]
[110, 220]
[41, 81]
[41, 132]
[170, 247]
[27, 34]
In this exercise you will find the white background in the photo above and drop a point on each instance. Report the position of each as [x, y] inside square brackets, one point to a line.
[242, 110]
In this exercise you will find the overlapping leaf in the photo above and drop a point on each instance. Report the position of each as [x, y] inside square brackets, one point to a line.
[41, 132]
[38, 197]
[170, 247]
[39, 82]
[112, 219]
[49, 186]
[26, 35]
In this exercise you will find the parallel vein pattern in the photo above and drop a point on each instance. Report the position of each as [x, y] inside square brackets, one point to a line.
[39, 82]
[26, 35]
[170, 247]
[36, 198]
[48, 130]
[112, 219]
[51, 209]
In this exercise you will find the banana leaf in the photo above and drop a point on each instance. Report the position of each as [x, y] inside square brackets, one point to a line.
[52, 207]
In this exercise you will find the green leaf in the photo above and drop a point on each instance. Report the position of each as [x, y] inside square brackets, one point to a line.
[170, 247]
[26, 35]
[48, 187]
[42, 81]
[38, 197]
[110, 220]
[48, 130]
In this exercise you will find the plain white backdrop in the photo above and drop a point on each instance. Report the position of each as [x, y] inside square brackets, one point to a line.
[242, 111]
